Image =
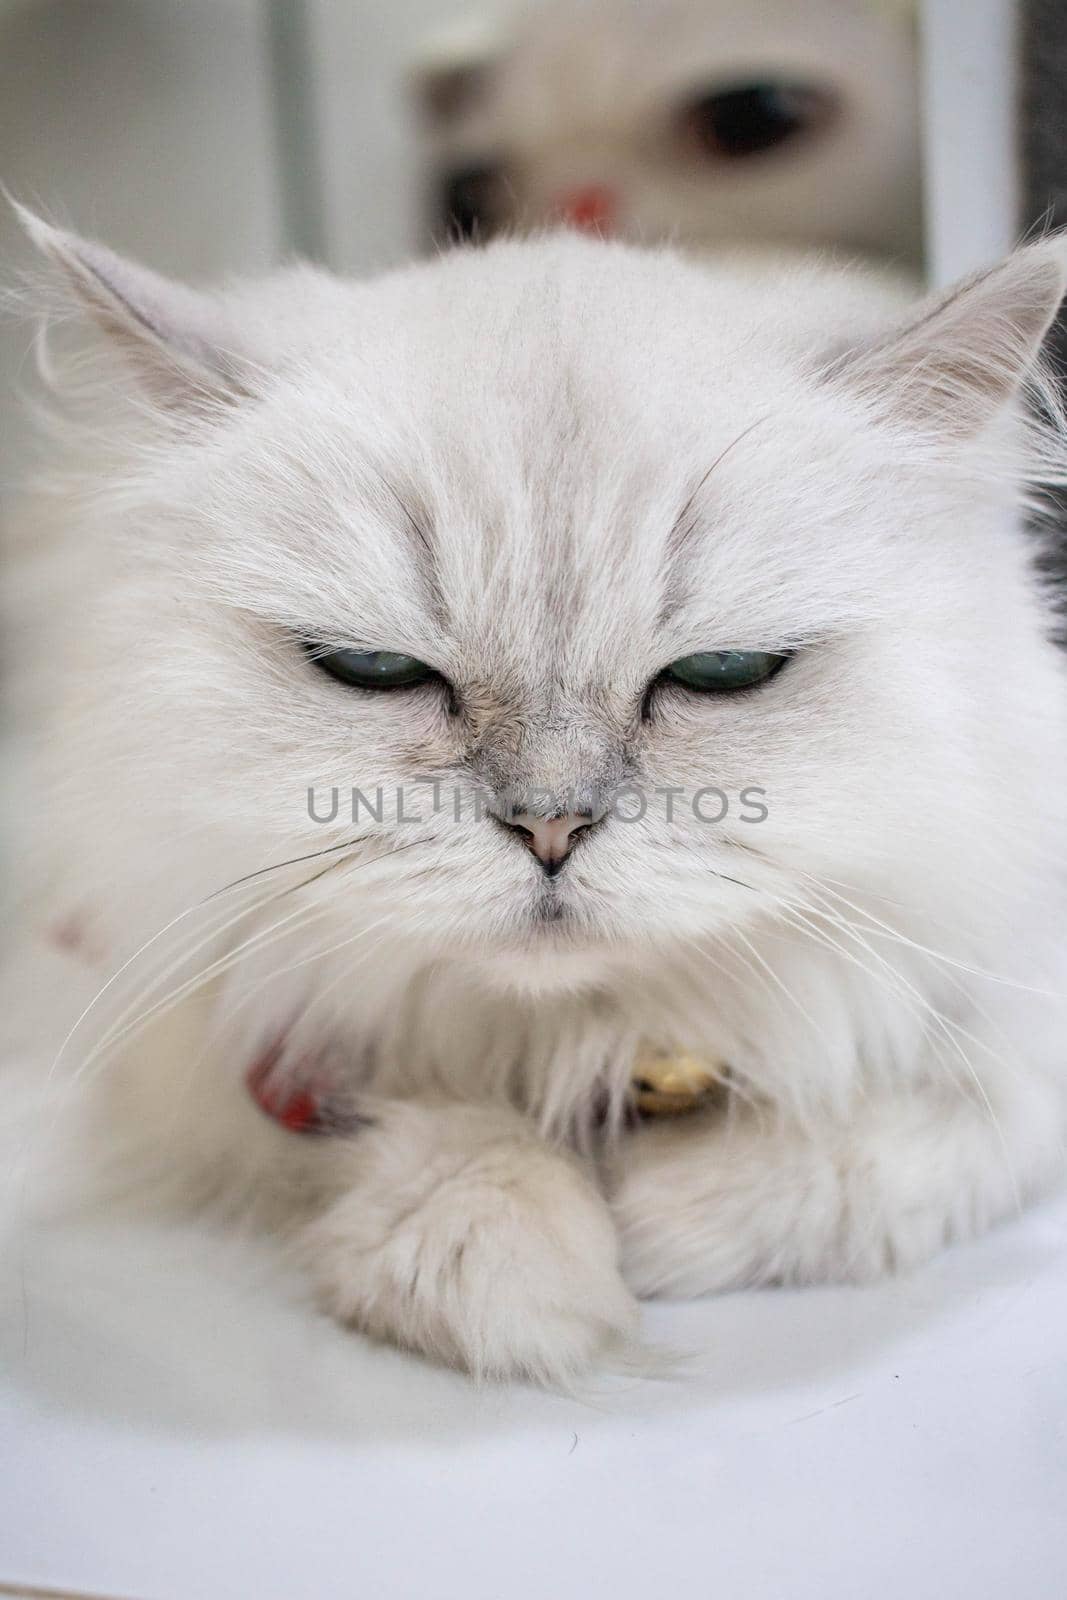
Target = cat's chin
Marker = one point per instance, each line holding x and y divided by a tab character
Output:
539	972
547	967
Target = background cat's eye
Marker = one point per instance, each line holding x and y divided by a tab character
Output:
724	671
751	119
471	200
370	669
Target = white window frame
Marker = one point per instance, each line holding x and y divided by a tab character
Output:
972	167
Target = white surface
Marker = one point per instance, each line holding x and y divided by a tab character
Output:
177	1426
970	106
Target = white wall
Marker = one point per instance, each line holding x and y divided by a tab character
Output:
371	172
149	123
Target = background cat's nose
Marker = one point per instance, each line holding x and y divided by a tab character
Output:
551	838
591	208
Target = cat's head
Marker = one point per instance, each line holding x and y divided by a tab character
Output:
681	120
567	527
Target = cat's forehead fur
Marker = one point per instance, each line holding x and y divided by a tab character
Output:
522	312
525	443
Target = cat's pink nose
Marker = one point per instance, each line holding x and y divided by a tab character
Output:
550	838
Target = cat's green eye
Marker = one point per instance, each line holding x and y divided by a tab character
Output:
370	669
723	671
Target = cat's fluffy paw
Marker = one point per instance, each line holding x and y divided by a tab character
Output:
703	1207
463	1237
712	1206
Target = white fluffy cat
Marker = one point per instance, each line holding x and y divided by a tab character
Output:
560	516
702	122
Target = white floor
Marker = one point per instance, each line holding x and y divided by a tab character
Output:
176	1425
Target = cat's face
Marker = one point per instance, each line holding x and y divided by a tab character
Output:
782	120
543	479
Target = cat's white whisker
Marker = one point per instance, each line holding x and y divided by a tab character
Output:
123	1027
941	957
945	1026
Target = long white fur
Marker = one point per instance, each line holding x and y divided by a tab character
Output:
881	962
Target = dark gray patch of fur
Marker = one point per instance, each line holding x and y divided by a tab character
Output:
1044	145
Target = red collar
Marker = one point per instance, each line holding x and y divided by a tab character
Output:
294	1093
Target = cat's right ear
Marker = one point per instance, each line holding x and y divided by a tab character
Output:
952	369
174	340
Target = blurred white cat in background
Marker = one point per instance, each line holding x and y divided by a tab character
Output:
705	122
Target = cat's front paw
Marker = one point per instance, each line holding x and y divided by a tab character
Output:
726	1204
463	1237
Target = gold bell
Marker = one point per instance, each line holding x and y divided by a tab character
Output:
668	1084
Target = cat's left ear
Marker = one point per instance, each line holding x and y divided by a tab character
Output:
175	340
951	370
